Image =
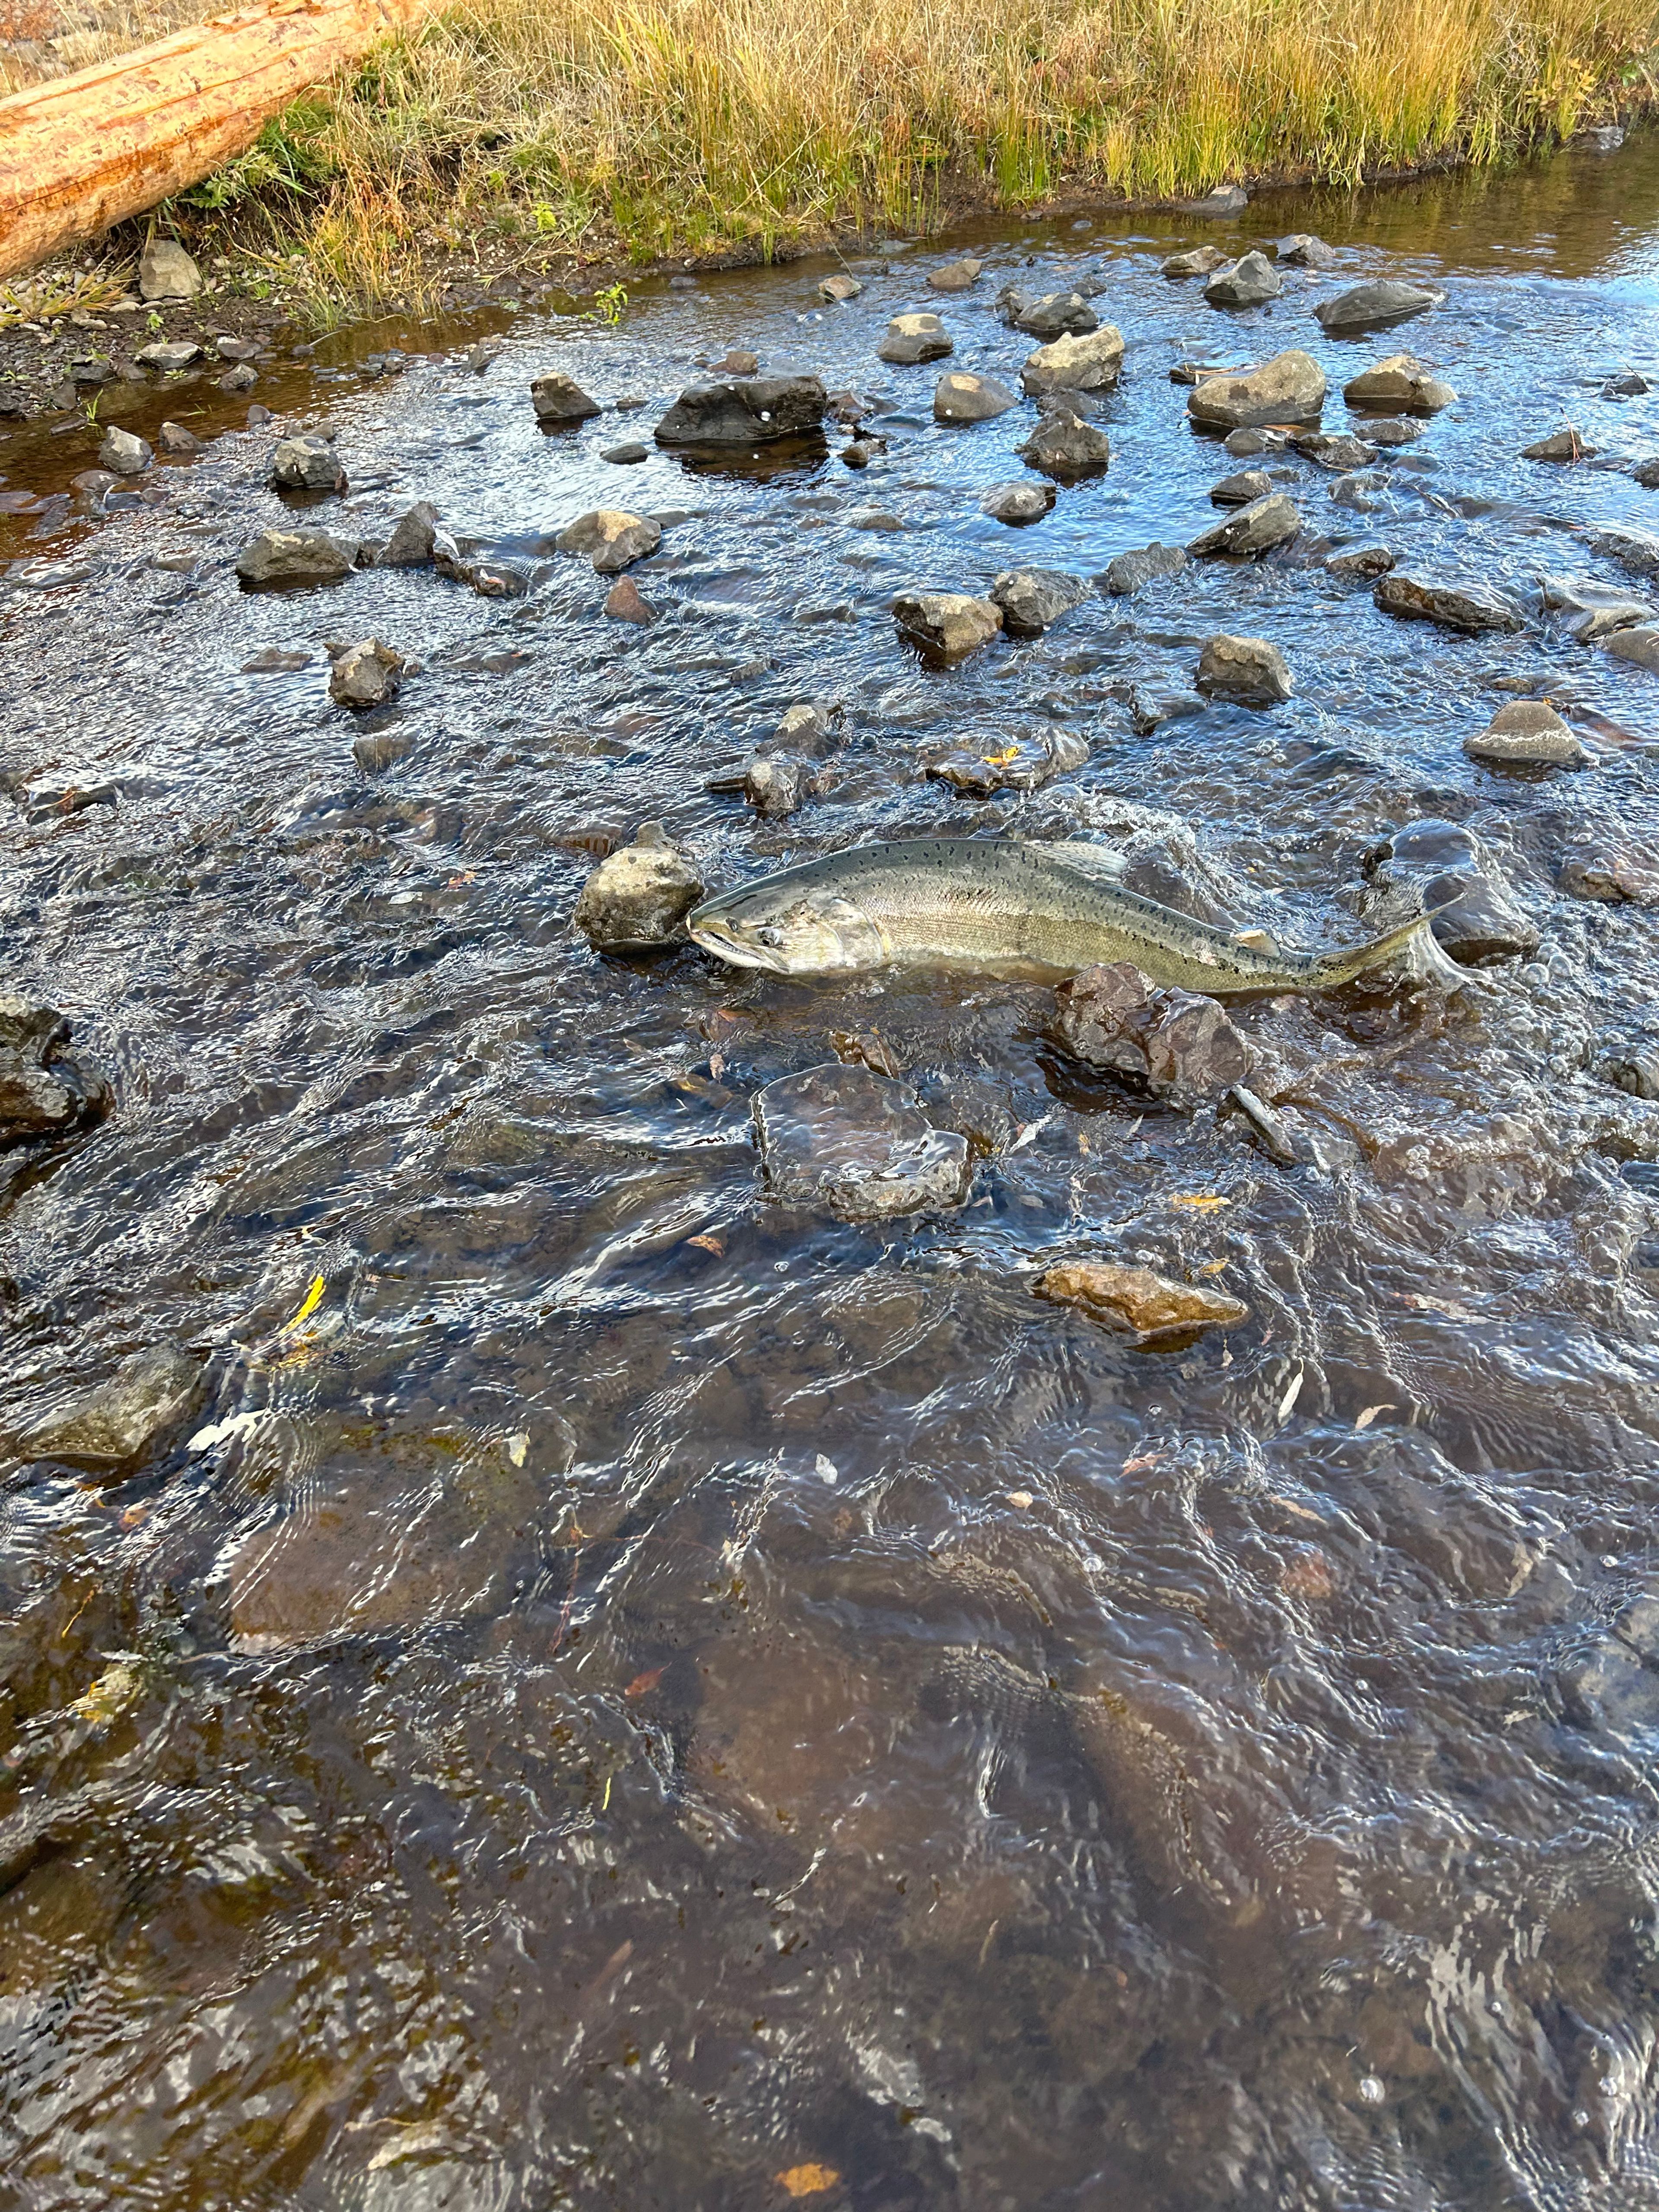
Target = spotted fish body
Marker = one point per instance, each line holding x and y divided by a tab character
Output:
1005	903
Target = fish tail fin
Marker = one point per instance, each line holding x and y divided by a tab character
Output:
1413	938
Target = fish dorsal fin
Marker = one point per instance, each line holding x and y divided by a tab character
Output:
1100	860
1257	940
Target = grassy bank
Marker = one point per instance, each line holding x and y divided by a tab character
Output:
666	127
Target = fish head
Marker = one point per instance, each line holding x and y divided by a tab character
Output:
789	929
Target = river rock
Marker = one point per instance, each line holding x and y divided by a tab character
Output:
1221	201
1527	732
558	399
1468	607
1020	763
1338	454
241	378
1171	1041
1245	443
307	464
1363	564
1613	1684
1016	503
114	1424
639	896
1302	250
1254	529
1369	306
1566	445
1646	473
1247	669
1135	1298
1389	431
1245	283
950	623
165	271
366	675
775	786
1128	573
1289	388
623	602
1639	646
1239	490
1616	875
749	411
1445	867
858	1143
1402	384
410	544
1603	617
42	1093
810	727
1088	363
1033	598
1633	550
610	539
169	356
839	288
958	397
1057	314
1201	261
172	438
124	453
1064	447
277	558
955	276
913	338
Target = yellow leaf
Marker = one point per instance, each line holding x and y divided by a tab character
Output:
1203	1200
313	1298
808	2180
109	1697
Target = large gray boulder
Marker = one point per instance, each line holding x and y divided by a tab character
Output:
280	559
1289	388
1253	529
1371	306
748	411
1246	283
1092	362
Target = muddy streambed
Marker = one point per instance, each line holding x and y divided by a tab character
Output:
620	1691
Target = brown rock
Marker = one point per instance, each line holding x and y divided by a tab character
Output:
1137	1299
624	603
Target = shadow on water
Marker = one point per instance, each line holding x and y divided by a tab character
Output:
620	1691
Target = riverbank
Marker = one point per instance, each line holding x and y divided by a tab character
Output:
555	140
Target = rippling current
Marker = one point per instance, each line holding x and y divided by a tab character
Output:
650	1697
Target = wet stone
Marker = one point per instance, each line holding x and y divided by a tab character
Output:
1246	283
1033	598
858	1144
1566	445
1137	1299
43	1093
307	464
413	536
736	362
610	539
377	750
1225	200
124	453
1239	490
1389	431
1639	646
839	288
638	896
623	602
1371	306
1399	385
1089	363
1016	503
1066	447
1024	763
1468	607
950	623
1254	530
626	456
1247	669
115	1425
1614	875
1171	1041
1336	453
1303	250
558	399
1446	867
1630	1063
1057	314
748	411
1199	261
955	276
281	558
241	378
775	786
1634	550
914	339
1527	733
1128	572
1613	1685
1646	473
1244	445
1289	388
958	397
174	438
367	674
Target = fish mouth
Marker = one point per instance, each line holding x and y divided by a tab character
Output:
716	935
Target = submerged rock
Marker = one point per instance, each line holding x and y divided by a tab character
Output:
1338	454
1468	607
42	1093
366	675
1089	363
624	604
749	411
1399	383
857	1143
307	464
1254	530
775	786
1245	283
958	397
1614	1685
116	1424
1640	646
1033	598
1443	865
1367	307
1199	261
1392	430
1016	503
950	623
413	536
1633	550
1247	669
1243	444
1128	573
638	896
1064	447
1171	1041
1526	732
955	276
124	453
281	558
174	438
1135	1298
558	399
1646	473
1289	388
1022	764
1363	564
627	455
914	339
610	539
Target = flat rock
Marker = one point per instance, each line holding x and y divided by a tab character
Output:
307	464
840	288
913	338
116	1424
627	455
1128	573
639	896
1032	599
1016	503
1022	763
1399	384
1639	646
1172	1042
948	624
559	399
1363	564
281	558
1302	250
1337	453
1239	490
1468	607
1092	362
610	539
959	397
1064	447
1254	529
1135	1298
1247	669
858	1144
124	453
366	675
1633	550
1289	388
165	271
1527	732
1057	314
624	604
1566	445
748	411
413	534
169	356
1392	430
1369	306
955	276
1199	261
1246	283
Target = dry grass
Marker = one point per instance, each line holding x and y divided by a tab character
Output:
52	38
668	127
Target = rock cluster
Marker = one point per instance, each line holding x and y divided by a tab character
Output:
1170	1042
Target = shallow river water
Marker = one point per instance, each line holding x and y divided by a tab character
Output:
646	1696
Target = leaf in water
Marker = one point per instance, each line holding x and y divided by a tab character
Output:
313	1298
809	2179
708	1244
643	1684
518	1447
825	1469
717	1064
1028	1132
1370	1415
1023	1498
1001	759
116	1689
410	2142
1289	1400
1204	1200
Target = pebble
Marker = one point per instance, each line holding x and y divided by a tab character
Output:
1302	250
242	377
948	624
857	1143
165	271
278	558
174	438
1245	443
1247	669
1057	314
961	398
1151	1305
913	338
1363	564
1024	763
169	356
42	1093
638	896
1338	454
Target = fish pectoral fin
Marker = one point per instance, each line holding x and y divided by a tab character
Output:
1257	940
1088	859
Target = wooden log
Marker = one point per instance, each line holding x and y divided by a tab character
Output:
81	152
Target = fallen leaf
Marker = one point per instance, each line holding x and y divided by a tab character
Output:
1308	1574
1143	1464
717	1064
1213	1266
643	1683
825	1469
313	1298
1028	1132
109	1697
1001	759
1370	1415
412	2141
518	1447
1083	1140
1289	1400
1023	1498
708	1244
808	2180
1204	1200
459	883
135	1516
